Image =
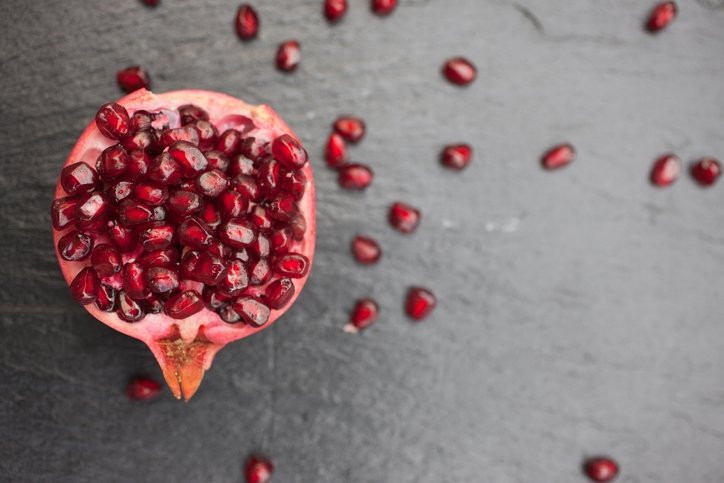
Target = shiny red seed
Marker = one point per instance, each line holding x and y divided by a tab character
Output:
661	16
280	239
133	78
78	178
269	177
138	165
207	134
288	55
187	134
456	156
188	264
383	7
231	204
112	162
294	183
228	314
165	170
184	305
336	151
247	22
123	238
706	171
298	225
261	246
237	233
159	258
366	250
113	121
139	140
217	160
601	470
247	187
150	193
119	191
92	208
241	164
210	215
229	143
334	10
153	304
420	303
184	203
212	183
214	299
143	388
666	170
258	469
84	287
293	265
404	217
351	128
157	236
363	315
63	212
558	156
162	279
234	279
355	176
189	157
259	271
134	281
106	260
209	269
256	150
459	71
129	310
253	312
289	152
131	212
194	233
279	293
282	208
106	298
190	113
142	121
260	218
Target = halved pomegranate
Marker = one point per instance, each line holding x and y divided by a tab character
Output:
169	253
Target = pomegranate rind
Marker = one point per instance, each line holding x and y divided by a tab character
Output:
186	348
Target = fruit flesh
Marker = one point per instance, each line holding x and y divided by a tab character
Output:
185	348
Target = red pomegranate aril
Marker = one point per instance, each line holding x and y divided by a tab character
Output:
294	183
241	254
139	140
231	204
182	203
706	171
334	10
601	470
157	236
189	260
237	233
404	218
336	152
666	170
269	177
289	152
558	156
217	248
78	178
209	269
150	193
210	215
119	191
217	160
364	314
134	281
366	250
298	225
187	134
355	176
159	258
351	129
190	113
165	170
153	304
112	121
123	238
241	165
459	71
228	314
191	159
252	311
234	279
162	279
129	309
253	149
456	156
288	55
279	293
259	271
75	246
661	16
84	287
420	303
229	142
184	305
138	165
261	246
247	187
214	299
212	183
281	208
247	22
207	134
64	212
143	388
258	469
92	208
131	213
194	233
383	7
133	78
112	162
106	260
142	120
106	298
293	265
280	240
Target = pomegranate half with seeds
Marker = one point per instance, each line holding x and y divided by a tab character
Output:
186	220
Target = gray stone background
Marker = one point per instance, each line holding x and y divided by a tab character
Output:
579	311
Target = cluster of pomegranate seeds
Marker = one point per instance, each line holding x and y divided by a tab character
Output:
334	10
351	176
601	470
363	315
258	469
289	54
420	303
666	170
706	171
366	250
383	7
133	78
246	22
456	156
143	388
154	219
459	71
661	16
558	156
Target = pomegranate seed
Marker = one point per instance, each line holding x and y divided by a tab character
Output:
334	10
404	217
289	152
288	55
162	279
258	469
189	157
237	233
106	298
253	149
298	225
78	178
355	176
601	469
261	246
383	7
282	208
187	134
247	22
143	388
336	152
190	113
259	271
142	120
234	279
217	248
666	170
252	311
184	203
112	121
214	299
128	309
294	183
706	171
231	204
228	315
363	315
139	140
212	183
240	164
217	160
157	236
194	233
131	212
279	293
133	78
248	188
352	129
63	212
188	264
138	165
280	241
366	250
207	134
260	218
209	269
106	260
456	156
123	238
420	303
229	143
112	162
269	177
152	194
84	287
292	265
558	156
165	170
184	305
661	16
134	281
92	208
119	191
159	258
152	305
459	71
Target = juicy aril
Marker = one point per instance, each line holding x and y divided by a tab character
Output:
185	220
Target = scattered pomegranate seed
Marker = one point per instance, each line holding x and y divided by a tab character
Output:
247	22
355	176
403	217
288	55
133	78
366	250
351	128
666	170
558	156
334	10
258	469
661	16
420	303
336	152
706	171
601	470
363	315
143	389
459	71
383	7
456	156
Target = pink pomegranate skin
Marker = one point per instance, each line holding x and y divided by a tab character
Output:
186	348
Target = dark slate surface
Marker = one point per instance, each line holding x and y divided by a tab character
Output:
580	311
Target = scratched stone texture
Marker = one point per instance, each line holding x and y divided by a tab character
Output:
580	311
